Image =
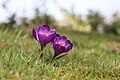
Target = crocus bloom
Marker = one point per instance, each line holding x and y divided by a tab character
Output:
61	45
44	35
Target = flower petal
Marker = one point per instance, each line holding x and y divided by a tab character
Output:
67	42
53	31
57	36
43	29
50	36
61	49
63	39
68	47
42	39
58	49
56	39
35	34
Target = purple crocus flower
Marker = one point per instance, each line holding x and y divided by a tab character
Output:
44	35
61	45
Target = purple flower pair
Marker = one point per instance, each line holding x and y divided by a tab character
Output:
44	36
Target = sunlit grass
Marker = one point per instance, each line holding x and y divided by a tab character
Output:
91	58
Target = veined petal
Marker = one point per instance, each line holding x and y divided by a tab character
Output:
67	42
56	47
43	29
53	31
63	39
57	35
68	47
56	39
35	34
42	38
59	49
50	36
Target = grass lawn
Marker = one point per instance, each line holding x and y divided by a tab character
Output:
91	58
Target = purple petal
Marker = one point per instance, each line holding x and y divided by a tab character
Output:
57	36
42	39
68	47
67	42
43	29
59	49
53	44
35	34
56	39
63	39
50	36
56	47
53	31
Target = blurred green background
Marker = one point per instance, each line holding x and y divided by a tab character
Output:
73	15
